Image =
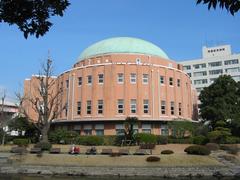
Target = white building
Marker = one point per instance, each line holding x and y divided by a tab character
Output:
215	61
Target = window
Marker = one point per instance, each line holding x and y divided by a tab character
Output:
189	74
178	82
100	78
120	78
163	107
171	81
67	83
198	66
133	78
145	106
89	107
216	71
233	61
164	130
99	129
214	64
179	109
236	78
120	106
201	81
146	128
79	107
199	89
79	81
145	79
133	105
188	67
161	79
87	129
172	107
77	128
119	129
232	70
200	73
89	79
100	106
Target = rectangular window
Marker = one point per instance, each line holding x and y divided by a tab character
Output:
145	106
161	79
198	66
145	79
87	129
133	106
216	71
146	128
163	107
100	78
79	81
119	129
188	67
201	73
79	107
180	109
100	106
99	129
133	78
233	61
214	64
201	81
120	106
178	82
164	130
67	83
172	107
120	78
89	79
232	70
171	81
89	107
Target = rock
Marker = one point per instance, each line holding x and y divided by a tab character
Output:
217	174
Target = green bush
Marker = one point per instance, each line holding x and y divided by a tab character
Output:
153	159
45	146
219	135
200	140
21	141
174	140
162	139
109	140
231	140
146	138
63	136
197	150
212	146
90	140
167	152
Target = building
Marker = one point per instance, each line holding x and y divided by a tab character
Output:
120	77
215	61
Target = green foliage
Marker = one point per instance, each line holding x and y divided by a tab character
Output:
21	141
128	128
232	6
31	17
197	150
153	159
220	102
231	140
167	151
63	136
146	138
90	140
180	128
212	146
109	140
45	146
174	140
219	135
200	140
162	139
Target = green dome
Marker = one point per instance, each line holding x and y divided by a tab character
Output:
122	45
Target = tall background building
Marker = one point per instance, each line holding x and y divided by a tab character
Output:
215	61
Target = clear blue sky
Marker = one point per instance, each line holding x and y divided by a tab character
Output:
180	28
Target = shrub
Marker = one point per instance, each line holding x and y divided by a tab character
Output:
231	140
109	140
63	136
162	139
153	159
197	150
146	138
212	146
167	152
200	140
174	140
219	135
45	146
21	141
90	140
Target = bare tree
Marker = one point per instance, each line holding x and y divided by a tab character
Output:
47	101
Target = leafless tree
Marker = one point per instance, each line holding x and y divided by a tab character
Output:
47	102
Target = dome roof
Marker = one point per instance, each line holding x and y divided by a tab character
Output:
122	45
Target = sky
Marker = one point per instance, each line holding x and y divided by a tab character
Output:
180	28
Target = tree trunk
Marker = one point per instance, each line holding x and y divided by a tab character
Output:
3	138
44	133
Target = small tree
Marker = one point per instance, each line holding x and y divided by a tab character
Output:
129	127
46	104
181	127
